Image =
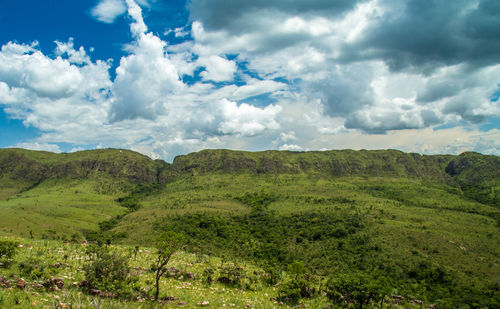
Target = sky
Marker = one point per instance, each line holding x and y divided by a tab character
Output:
166	78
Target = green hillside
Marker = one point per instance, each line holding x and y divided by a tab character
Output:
47	193
425	227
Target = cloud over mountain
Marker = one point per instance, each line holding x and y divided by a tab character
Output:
246	73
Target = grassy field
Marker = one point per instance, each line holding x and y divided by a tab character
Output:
60	208
188	292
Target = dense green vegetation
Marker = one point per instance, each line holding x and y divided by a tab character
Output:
348	228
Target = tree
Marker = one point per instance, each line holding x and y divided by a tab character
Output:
167	244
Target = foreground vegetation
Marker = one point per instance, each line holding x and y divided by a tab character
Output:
334	229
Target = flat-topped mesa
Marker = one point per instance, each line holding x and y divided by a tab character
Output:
334	163
477	175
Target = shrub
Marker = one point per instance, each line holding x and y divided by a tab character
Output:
208	276
231	274
357	288
108	271
7	249
272	273
290	292
35	268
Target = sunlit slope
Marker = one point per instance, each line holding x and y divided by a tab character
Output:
43	193
426	237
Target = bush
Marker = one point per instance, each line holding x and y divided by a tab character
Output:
357	288
290	292
35	268
272	273
231	274
208	276
7	249
108	271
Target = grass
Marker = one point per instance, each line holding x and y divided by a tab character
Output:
189	291
65	207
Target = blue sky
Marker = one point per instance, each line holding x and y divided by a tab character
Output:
168	77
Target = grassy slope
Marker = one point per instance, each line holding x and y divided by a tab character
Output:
67	193
65	207
412	222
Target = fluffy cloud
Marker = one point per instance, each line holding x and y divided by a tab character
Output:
145	81
271	74
291	147
246	119
39	146
52	94
438	58
217	68
108	10
147	107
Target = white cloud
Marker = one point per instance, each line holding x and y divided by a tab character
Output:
247	120
145	81
49	93
217	69
108	10
23	66
137	27
180	32
312	60
256	87
39	146
291	147
290	136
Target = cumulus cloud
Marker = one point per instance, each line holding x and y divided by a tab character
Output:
72	99
291	147
49	93
246	119
23	66
442	54
108	10
271	74
145	81
137	27
217	68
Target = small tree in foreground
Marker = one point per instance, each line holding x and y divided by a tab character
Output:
167	244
